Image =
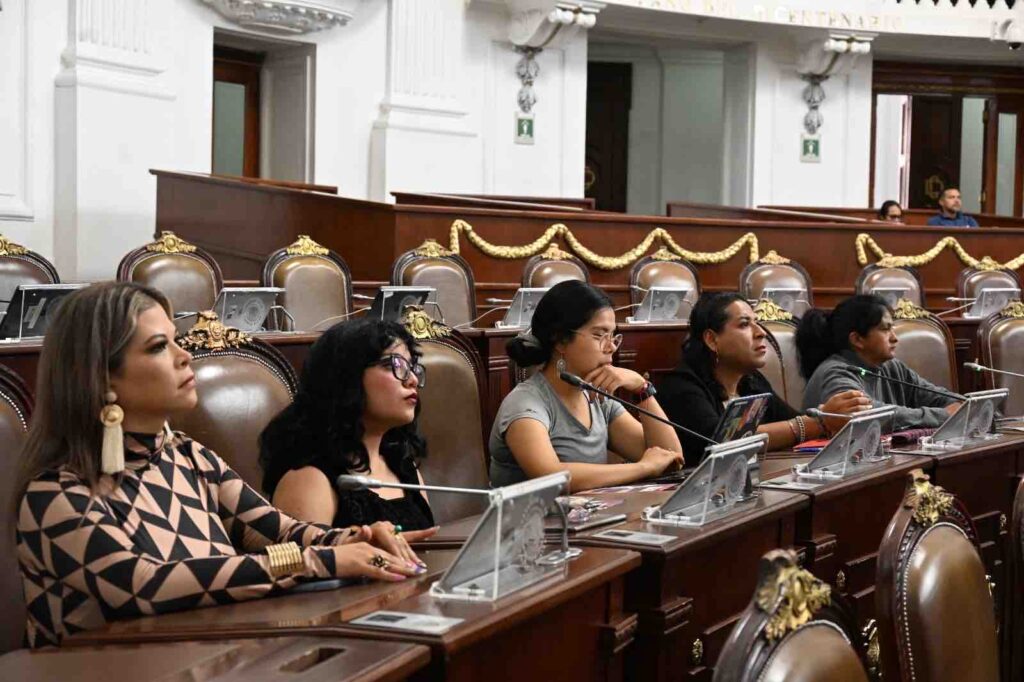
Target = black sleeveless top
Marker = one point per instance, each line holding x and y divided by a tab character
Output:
364	507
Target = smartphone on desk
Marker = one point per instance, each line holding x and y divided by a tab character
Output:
319	585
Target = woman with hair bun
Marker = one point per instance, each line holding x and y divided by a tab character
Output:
547	425
858	334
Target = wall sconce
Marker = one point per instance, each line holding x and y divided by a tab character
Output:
821	60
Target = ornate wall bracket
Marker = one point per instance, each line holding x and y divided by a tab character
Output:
821	60
286	16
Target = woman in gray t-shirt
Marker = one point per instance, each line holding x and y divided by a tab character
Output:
546	425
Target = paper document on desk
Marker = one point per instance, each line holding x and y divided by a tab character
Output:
788	483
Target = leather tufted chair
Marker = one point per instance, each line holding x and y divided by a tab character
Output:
1001	337
432	265
316	281
925	344
818	649
15	410
936	614
971	282
553	266
188	276
19	265
242	384
876	277
663	269
1016	587
774	271
783	367
450	416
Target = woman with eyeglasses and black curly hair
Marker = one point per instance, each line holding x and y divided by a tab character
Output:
355	413
546	425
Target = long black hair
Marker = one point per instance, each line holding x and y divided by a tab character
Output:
324	424
563	310
710	312
822	334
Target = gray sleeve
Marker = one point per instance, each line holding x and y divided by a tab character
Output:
925	398
611	410
834	378
522	403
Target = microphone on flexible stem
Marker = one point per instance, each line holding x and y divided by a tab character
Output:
815	412
982	368
349	482
947	394
578	382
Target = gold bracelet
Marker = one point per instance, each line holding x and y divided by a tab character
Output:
285	559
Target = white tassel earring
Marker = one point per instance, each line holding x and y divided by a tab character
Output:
111	416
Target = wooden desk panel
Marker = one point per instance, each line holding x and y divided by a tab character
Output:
579	615
292	659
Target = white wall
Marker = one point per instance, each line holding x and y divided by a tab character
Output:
779	177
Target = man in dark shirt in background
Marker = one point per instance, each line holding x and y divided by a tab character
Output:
950	213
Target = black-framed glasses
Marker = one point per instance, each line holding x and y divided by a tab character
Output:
401	367
602	340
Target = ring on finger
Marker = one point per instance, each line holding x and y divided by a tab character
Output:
397	531
378	561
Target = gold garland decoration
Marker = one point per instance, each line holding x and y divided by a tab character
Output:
887	260
459	226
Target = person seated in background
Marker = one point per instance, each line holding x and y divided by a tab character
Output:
858	333
891	212
721	361
118	516
547	425
950	211
355	413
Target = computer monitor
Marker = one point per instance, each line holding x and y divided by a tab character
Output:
31	307
391	301
971	422
520	311
991	301
664	304
246	308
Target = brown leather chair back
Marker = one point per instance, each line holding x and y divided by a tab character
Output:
242	384
935	611
19	265
769	644
774	271
663	269
432	265
876	277
188	276
783	367
1015	591
316	281
925	344
450	417
547	269
15	410
1001	337
970	282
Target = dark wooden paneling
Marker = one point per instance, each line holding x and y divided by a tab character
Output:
609	93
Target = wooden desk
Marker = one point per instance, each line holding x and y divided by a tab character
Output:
295	659
572	626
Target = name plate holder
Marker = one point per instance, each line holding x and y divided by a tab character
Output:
667	305
714	488
972	423
520	311
504	553
857	447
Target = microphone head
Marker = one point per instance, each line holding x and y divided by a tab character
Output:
348	482
571	379
815	412
975	366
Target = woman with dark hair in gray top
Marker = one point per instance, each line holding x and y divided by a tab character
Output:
546	425
858	334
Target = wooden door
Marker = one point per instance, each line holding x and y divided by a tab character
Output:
235	147
934	148
1004	156
609	95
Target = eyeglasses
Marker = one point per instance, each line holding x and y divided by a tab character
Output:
605	339
402	368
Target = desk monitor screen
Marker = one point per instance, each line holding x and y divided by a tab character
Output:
503	553
246	308
31	308
391	301
520	312
972	421
664	304
991	301
892	295
741	418
791	299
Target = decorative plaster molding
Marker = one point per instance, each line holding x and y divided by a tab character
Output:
550	23
286	16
